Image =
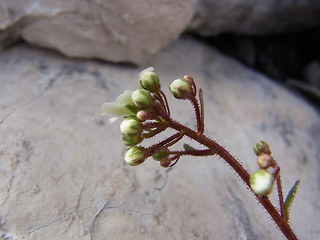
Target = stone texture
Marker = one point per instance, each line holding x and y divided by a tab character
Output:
62	168
128	31
254	17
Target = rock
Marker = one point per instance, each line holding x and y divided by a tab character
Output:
311	85
312	73
62	168
254	17
118	31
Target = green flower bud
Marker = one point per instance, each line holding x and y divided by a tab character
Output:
161	155
180	88
134	156
131	140
261	182
149	80
142	98
262	147
131	126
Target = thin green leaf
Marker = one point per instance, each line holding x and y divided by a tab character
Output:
187	147
290	198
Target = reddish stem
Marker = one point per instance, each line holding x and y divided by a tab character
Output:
196	107
223	153
165	101
204	152
201	110
279	186
164	144
154	132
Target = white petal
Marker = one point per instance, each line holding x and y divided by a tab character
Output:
125	98
118	108
114	110
113	119
149	69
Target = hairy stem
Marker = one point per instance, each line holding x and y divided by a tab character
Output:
204	152
279	186
201	110
165	101
196	107
164	144
238	168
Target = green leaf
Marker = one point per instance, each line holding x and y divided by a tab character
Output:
187	147
291	195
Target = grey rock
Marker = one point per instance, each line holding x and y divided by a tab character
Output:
258	17
118	31
62	168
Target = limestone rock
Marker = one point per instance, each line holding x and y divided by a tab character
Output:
127	31
62	168
254	17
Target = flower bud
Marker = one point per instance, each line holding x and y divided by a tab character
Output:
180	88
134	156
261	182
262	147
149	80
165	163
131	140
265	160
142	115
130	126
163	154
142	98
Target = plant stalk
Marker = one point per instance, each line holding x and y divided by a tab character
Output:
243	173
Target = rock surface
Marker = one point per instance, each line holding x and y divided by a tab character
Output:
117	31
132	31
258	17
62	168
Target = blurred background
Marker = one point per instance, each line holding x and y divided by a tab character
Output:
277	38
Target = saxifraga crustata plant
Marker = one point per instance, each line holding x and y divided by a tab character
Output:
146	113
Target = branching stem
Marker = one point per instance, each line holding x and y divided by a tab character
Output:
238	168
165	143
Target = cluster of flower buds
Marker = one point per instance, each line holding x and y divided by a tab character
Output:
262	181
145	112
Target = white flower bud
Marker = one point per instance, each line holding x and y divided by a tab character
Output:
131	126
134	156
180	88
261	182
142	98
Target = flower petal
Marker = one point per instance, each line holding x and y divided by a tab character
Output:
114	110
125	98
113	119
149	69
119	107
